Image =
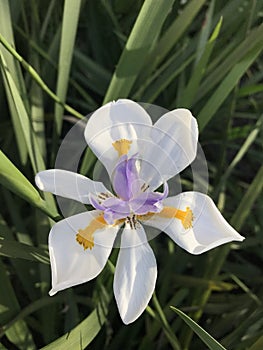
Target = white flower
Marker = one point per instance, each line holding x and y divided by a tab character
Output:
139	157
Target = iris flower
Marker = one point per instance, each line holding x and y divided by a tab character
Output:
140	158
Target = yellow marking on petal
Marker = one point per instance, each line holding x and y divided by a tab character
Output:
186	216
122	146
85	237
145	216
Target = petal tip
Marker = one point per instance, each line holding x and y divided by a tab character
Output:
52	292
39	182
240	238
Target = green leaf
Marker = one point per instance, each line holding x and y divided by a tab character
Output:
199	69
15	181
7	31
24	121
248	200
68	35
258	345
143	35
36	94
82	335
13	249
202	334
29	309
250	139
250	90
174	32
19	333
235	56
225	88
37	78
165	324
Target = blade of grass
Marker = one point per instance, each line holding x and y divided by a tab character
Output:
240	154
15	181
164	79
144	33
12	249
16	232
90	68
33	307
48	317
92	74
202	334
82	335
225	88
218	257
36	95
19	333
238	54
7	31
37	78
205	31
151	83
199	69
165	324
173	34
67	41
258	345
29	135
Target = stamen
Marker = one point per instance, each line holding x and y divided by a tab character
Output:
104	196
122	146
85	237
131	220
186	216
144	187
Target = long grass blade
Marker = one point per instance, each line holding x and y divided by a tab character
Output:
82	335
7	31
67	41
202	334
15	181
38	79
225	88
142	38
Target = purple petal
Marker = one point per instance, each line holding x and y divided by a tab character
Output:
134	182
95	203
120	180
115	209
148	202
126	179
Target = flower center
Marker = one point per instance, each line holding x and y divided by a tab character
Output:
133	201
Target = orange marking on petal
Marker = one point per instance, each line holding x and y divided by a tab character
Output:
122	146
186	216
85	237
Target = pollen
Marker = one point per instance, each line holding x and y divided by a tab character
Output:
122	146
186	216
85	237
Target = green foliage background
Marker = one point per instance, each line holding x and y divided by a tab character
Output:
59	61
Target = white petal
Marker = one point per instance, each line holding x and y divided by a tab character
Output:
123	119
135	274
68	184
174	145
70	263
209	229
